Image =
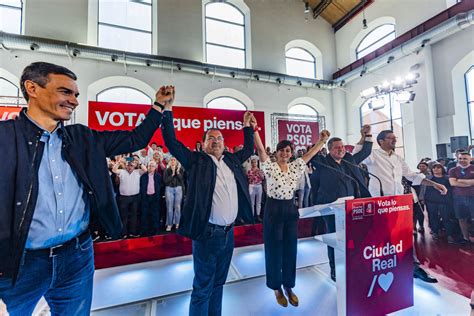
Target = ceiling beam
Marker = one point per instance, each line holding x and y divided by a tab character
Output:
320	8
356	10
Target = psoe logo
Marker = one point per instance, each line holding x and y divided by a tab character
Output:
357	211
369	209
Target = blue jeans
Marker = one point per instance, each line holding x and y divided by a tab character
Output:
211	259
173	197
65	280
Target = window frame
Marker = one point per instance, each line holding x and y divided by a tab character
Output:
470	102
307	61
118	87
227	97
357	52
305	104
16	8
244	27
151	5
391	103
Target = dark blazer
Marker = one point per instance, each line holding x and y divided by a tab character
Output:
326	185
85	150
144	184
201	171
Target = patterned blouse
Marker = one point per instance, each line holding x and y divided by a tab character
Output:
281	185
255	176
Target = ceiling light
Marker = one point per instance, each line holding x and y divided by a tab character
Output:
405	97
306	7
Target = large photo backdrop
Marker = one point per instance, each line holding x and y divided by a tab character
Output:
190	122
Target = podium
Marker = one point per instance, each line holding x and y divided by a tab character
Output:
373	250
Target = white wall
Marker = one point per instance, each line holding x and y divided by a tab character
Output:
407	14
434	116
273	24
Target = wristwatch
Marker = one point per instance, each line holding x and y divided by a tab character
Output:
158	104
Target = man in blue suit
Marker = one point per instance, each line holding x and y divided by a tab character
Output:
338	176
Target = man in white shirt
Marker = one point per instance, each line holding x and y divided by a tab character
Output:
128	199
389	167
217	193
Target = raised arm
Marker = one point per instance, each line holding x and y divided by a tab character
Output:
366	142
323	138
120	142
262	154
247	151
176	148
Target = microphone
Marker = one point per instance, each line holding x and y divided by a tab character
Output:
367	172
345	175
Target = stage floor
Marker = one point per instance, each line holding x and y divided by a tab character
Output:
163	288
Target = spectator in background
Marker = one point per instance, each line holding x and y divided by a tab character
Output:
129	199
255	177
418	206
461	179
198	146
150	185
454	163
439	206
143	157
158	157
173	180
303	189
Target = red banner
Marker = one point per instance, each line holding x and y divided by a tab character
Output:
379	255
189	122
9	112
301	133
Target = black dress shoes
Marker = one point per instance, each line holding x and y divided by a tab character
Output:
421	274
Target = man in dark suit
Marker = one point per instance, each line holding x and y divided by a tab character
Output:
217	193
150	186
337	176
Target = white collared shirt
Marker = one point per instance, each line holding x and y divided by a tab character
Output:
129	182
390	169
225	199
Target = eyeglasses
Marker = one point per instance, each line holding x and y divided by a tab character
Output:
218	139
391	138
463	172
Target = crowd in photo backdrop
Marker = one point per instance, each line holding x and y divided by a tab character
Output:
150	187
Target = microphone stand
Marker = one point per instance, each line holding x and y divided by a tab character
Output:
367	172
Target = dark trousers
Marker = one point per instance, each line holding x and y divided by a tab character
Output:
211	259
436	212
64	279
280	240
330	228
150	209
418	215
128	207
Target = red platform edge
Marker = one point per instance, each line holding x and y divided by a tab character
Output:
128	251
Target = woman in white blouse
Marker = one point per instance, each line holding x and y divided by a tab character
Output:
280	221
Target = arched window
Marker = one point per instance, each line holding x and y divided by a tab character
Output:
10	16
9	93
469	76
125	25
226	103
384	113
302	109
300	63
123	95
375	39
224	35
